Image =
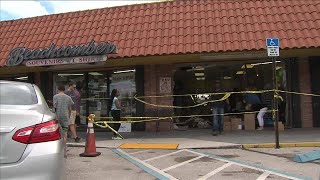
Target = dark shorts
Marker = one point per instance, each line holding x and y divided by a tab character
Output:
64	129
77	122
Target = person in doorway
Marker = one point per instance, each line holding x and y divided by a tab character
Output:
115	111
62	104
218	111
75	96
266	99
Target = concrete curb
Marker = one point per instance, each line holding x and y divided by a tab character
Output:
283	145
236	146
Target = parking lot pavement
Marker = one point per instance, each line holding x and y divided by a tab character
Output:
106	166
192	164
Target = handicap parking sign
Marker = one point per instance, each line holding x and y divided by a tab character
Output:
272	42
273	47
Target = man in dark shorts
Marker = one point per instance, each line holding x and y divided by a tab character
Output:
75	108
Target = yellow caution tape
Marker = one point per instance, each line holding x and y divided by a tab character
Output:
171	117
226	96
183	95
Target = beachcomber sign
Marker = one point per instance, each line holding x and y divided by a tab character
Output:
63	55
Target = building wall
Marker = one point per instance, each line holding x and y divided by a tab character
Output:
305	87
152	76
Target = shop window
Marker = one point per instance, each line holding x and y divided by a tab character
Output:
98	93
124	81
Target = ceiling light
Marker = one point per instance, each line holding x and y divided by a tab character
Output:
227	77
199	74
264	63
240	72
95	74
70	74
125	71
201	78
247	66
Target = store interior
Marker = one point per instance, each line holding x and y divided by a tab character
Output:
202	78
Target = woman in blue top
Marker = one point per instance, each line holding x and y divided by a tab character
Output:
115	111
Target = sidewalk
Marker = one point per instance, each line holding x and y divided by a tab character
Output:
202	138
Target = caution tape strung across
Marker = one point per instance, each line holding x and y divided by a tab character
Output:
149	119
222	93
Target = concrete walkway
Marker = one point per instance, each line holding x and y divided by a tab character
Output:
202	138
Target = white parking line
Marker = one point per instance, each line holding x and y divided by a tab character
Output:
158	157
137	152
181	164
145	166
263	176
210	174
248	166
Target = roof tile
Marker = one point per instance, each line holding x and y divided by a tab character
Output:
174	27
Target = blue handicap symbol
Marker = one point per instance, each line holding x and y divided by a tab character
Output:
273	42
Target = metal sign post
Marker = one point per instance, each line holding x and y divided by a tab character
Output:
273	52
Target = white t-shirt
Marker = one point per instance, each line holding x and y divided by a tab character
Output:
114	107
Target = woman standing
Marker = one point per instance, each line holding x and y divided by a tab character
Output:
115	111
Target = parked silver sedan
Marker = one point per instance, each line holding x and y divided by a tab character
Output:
31	145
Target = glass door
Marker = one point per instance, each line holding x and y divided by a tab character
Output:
124	81
79	79
98	83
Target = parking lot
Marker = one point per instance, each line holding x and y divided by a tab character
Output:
188	164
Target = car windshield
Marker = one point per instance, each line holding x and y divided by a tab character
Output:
17	94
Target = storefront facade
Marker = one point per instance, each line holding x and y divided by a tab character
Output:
152	49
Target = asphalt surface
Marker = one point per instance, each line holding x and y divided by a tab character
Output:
271	164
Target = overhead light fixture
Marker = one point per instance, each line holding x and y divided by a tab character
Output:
227	77
124	71
240	72
95	74
201	78
70	74
22	78
198	68
247	66
199	74
264	63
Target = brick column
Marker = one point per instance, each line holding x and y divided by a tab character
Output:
153	73
305	86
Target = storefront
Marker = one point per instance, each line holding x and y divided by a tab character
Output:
148	50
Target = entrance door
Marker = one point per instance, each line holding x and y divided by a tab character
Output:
315	85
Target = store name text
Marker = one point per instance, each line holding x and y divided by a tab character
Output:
19	55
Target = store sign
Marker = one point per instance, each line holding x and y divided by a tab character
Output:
54	55
62	61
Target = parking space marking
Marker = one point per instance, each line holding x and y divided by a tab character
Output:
137	152
181	164
165	155
145	166
210	174
264	176
252	166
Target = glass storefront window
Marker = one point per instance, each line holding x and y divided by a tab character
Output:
95	88
98	90
78	78
124	81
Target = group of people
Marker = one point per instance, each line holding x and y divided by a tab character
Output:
252	102
67	103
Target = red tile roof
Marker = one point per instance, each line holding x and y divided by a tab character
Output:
182	26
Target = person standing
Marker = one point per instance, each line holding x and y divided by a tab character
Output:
266	99
218	112
115	108
62	104
75	96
